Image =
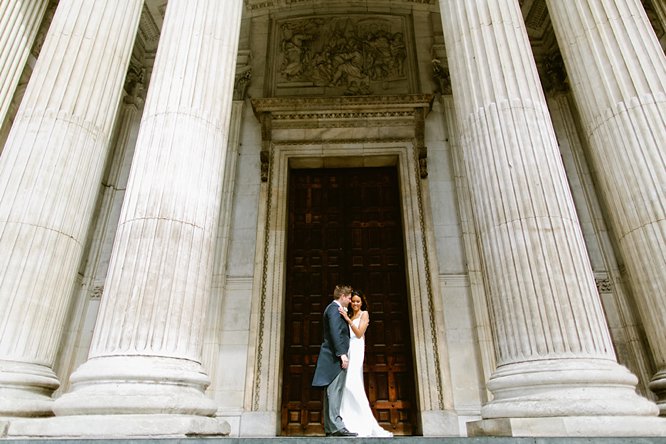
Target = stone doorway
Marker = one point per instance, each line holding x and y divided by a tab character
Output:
347	133
344	226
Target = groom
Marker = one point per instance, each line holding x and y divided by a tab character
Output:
331	369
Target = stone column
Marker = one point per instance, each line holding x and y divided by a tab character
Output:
145	356
19	24
617	72
554	352
50	172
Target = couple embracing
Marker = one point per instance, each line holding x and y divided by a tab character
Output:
339	367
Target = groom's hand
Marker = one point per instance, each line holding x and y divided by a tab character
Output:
345	361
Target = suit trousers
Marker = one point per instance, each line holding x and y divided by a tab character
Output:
332	400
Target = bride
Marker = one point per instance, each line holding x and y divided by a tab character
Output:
355	408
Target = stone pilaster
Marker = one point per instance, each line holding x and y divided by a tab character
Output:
554	352
617	73
50	172
19	24
145	356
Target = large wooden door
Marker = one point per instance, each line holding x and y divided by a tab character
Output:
345	227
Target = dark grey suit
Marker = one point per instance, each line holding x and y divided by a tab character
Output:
328	372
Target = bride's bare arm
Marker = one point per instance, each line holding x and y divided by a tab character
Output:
362	325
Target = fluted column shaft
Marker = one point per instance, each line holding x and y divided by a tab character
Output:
549	328
146	349
19	23
50	172
617	72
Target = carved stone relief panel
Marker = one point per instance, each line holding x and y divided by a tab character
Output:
337	55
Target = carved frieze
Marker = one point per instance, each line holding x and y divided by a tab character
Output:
97	292
604	285
336	120
342	55
258	5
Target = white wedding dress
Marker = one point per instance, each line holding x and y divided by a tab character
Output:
355	408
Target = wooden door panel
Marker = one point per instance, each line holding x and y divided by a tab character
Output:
345	227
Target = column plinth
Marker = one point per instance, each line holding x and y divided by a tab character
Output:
564	387
137	385
554	352
41	380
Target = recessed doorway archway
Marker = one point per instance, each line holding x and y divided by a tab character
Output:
336	133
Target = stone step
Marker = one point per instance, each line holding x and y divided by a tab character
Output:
335	440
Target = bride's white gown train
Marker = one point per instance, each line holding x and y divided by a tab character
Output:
355	407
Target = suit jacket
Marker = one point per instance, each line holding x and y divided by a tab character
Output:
335	344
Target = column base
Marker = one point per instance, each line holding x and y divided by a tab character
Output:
581	426
137	385
658	386
25	389
115	426
565	388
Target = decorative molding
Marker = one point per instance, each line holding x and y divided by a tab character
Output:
241	82
149	28
419	145
253	5
352	116
259	5
536	15
267	305
440	68
287	104
604	285
135	81
264	276
440	73
553	73
428	284
266	120
403	118
364	141
243	74
97	292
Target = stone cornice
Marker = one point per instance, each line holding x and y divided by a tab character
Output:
320	106
398	117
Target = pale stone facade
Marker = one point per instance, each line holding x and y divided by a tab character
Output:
146	149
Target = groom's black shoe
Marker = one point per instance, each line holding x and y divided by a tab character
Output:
343	432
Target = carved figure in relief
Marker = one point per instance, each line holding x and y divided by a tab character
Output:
342	52
349	70
294	52
398	53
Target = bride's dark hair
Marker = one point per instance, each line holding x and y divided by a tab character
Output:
364	301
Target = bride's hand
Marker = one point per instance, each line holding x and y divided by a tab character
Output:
344	314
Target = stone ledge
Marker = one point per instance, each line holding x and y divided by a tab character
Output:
118	426
581	426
